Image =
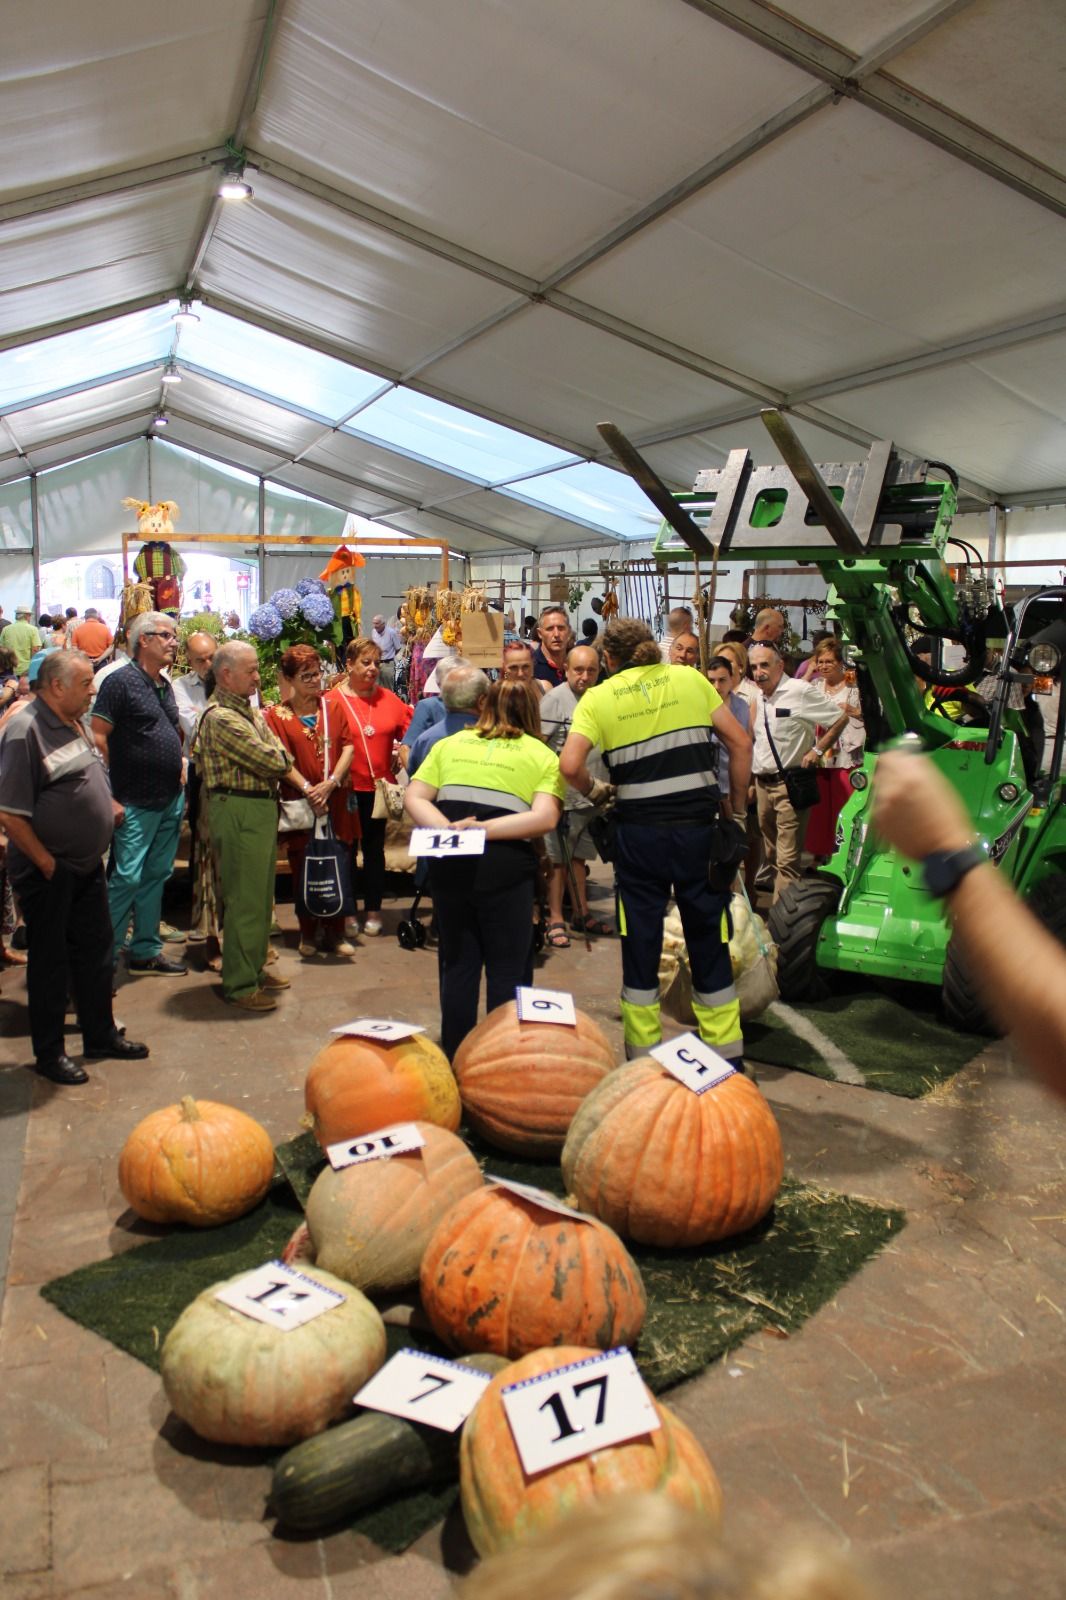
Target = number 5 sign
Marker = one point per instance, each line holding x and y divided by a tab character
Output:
563	1415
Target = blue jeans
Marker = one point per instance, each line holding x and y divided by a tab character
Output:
142	858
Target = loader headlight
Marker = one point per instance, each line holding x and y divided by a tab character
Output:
1008	793
858	778
1044	658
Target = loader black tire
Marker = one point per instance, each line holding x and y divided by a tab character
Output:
795	922
959	994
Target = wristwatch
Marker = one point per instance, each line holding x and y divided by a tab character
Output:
944	870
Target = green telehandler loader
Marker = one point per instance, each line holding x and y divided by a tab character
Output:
877	530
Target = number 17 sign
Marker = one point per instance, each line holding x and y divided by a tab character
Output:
568	1413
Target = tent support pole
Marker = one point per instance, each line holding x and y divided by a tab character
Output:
35	529
262	542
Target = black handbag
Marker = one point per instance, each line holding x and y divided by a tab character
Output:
801	783
325	886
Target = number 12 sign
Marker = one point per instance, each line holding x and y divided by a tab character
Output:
568	1413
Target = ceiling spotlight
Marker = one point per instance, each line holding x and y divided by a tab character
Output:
184	314
161	420
171	374
232	185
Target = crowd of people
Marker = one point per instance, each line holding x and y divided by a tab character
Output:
533	759
617	746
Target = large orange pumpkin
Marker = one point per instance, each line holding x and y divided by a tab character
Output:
503	1506
521	1082
665	1166
359	1085
198	1162
370	1223
504	1275
239	1381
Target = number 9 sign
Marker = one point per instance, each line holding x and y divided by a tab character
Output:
546	1005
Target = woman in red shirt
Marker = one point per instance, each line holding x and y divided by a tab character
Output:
301	727
377	721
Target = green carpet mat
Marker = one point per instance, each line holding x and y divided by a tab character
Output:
701	1303
893	1041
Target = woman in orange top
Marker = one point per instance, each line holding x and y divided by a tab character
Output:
376	721
301	727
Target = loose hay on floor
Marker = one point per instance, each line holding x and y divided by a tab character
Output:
895	1037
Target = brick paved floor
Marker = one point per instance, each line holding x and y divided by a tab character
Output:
918	1418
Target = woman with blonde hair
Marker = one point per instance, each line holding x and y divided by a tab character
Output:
498	776
646	1547
742	684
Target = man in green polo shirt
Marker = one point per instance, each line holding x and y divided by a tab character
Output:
21	637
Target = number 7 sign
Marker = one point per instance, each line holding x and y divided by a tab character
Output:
568	1413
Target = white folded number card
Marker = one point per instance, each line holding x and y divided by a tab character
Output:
539	1197
698	1066
426	1389
382	1028
279	1295
447	842
546	1005
376	1146
563	1415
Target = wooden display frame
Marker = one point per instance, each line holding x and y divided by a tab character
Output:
281	541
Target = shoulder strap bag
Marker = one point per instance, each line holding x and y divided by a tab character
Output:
388	797
801	783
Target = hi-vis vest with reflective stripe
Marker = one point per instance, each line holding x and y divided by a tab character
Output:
653	725
487	777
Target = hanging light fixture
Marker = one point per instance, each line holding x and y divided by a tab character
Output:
171	372
161	420
184	314
232	185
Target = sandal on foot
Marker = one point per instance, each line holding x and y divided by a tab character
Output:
556	936
591	924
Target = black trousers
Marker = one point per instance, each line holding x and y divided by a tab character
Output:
68	939
484	911
192	796
368	885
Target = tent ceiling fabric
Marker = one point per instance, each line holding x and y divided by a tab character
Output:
487	227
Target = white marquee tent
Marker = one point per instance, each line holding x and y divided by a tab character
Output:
478	228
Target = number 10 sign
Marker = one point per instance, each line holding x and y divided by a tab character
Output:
562	1415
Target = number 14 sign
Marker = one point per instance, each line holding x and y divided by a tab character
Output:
563	1415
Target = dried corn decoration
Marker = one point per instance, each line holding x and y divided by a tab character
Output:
418	618
448	608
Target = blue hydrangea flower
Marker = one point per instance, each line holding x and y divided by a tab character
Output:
308	586
318	610
265	623
286	603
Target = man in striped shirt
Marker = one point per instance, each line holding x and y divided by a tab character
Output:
653	724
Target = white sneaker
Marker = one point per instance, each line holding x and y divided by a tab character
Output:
372	925
351	927
343	949
307	949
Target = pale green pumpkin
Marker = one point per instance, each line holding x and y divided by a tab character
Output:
238	1381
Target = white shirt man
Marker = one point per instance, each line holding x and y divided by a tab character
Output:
678	621
788	713
189	690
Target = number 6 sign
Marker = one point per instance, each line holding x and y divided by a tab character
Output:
568	1413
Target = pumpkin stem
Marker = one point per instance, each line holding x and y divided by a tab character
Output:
190	1111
